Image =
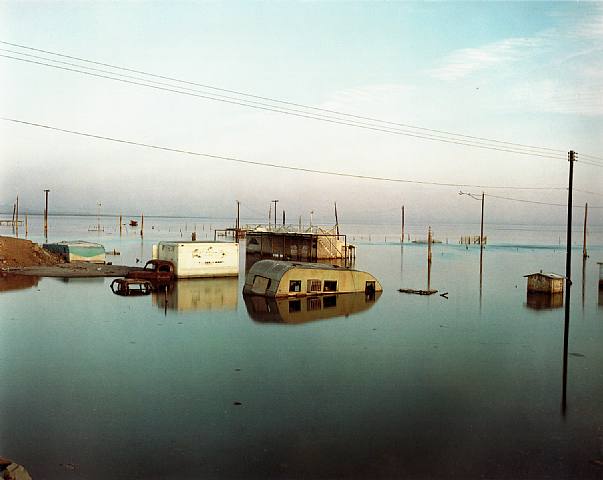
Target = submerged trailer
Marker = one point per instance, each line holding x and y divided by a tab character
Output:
200	259
78	251
275	278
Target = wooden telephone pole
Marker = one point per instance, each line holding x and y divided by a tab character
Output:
46	215
568	275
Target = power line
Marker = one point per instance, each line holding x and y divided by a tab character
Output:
279	101
585	162
522	200
288	112
274	165
239	102
593	157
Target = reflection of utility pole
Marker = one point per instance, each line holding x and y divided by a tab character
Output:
568	275
275	202
46	216
584	252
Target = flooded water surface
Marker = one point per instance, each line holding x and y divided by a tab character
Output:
200	382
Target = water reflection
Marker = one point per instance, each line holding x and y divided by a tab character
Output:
544	301
600	297
198	294
11	281
307	309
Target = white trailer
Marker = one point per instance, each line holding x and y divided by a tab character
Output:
200	259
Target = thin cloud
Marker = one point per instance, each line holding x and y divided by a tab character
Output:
467	61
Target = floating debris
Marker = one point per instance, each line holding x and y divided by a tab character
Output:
417	292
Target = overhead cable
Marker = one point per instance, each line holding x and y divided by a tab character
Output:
475	143
274	165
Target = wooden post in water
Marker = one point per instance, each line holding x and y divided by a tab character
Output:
283	218
584	252
142	224
120	225
429	259
26	226
481	246
336	221
46	215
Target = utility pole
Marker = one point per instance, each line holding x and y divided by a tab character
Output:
275	202
568	275
17	217
402	223
283	218
311	213
98	225
584	252
336	221
269	215
238	216
46	215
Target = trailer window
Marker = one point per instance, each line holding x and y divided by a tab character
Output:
314	286
330	286
295	285
260	284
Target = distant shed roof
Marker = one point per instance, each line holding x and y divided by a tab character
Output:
553	276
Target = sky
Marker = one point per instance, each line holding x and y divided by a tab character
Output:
525	73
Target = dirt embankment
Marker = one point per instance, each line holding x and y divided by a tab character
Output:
16	252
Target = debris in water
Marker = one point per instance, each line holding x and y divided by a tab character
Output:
237	403
417	292
576	354
445	295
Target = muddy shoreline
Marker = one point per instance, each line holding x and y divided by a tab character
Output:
66	270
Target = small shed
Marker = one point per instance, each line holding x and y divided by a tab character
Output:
78	251
545	282
200	259
276	278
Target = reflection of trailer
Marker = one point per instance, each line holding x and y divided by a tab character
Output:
307	309
200	259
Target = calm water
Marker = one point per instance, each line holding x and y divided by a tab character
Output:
98	386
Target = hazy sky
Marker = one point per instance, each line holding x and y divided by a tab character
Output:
527	73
